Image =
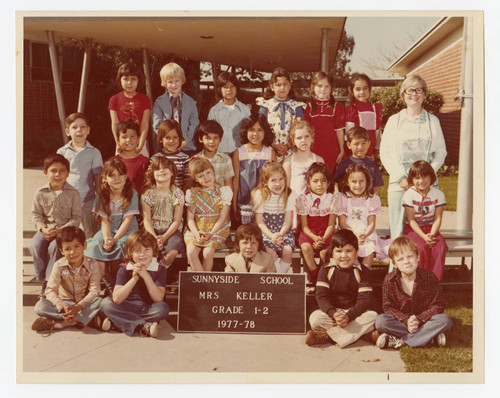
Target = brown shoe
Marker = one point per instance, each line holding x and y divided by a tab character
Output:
371	337
317	337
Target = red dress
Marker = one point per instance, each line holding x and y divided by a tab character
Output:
365	115
136	168
325	120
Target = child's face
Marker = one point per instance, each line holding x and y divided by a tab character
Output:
276	183
174	85
73	252
256	134
128	140
249	247
163	175
361	90
129	84
281	88
406	262
210	142
206	178
422	184
359	147
57	173
228	93
322	89
357	183
318	184
115	180
303	140
344	256
78	131
142	255
171	142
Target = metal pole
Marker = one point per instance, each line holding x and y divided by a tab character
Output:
464	196
85	75
324	50
147	74
57	83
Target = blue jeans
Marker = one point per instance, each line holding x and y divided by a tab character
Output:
132	313
439	323
46	309
45	253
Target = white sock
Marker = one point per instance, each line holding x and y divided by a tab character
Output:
284	267
277	263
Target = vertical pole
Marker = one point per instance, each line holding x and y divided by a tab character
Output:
85	75
464	197
56	74
147	74
324	50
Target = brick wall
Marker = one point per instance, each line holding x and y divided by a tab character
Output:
442	73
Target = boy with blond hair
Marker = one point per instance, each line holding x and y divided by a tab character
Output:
177	105
412	302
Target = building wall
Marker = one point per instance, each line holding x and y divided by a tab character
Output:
442	73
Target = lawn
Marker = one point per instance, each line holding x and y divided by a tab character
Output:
447	184
457	355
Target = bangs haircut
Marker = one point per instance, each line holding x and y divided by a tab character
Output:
125	125
298	124
143	238
209	127
171	71
356	168
318	167
400	245
358	132
157	163
68	234
341	238
248	231
198	165
421	168
314	81
249	122
166	126
128	69
55	158
77	115
224	78
268	170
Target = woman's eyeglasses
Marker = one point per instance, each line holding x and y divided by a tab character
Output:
410	91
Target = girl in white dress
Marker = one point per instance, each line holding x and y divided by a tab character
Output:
358	211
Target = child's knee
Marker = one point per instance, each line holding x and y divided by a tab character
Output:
306	248
382	320
160	310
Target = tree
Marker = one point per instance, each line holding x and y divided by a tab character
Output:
344	53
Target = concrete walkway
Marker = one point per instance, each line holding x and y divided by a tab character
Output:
220	355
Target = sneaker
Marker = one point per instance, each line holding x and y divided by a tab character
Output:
371	337
43	324
150	329
97	321
63	325
387	341
440	340
107	325
317	337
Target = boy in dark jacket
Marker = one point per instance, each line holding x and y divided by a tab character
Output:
344	295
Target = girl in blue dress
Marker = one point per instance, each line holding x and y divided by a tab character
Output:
117	207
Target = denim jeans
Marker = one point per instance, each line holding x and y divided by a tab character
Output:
439	323
45	253
132	313
46	309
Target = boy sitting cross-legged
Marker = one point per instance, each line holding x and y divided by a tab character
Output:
412	302
73	287
344	295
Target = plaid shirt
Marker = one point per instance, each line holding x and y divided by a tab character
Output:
426	301
223	166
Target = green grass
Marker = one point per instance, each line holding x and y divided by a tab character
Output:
447	184
457	355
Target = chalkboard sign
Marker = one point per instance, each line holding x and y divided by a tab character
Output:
241	303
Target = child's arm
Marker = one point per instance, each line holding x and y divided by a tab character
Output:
146	218
155	292
175	224
191	223
97	183
340	140
376	191
274	157
390	304
371	225
146	116
122	230
229	182
121	292
412	222
76	211
343	222
306	229
438	217
223	217
52	290
364	296
287	223
434	294
114	123
259	219
330	228
236	183
288	171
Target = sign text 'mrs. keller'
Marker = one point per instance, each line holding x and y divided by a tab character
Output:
241	303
